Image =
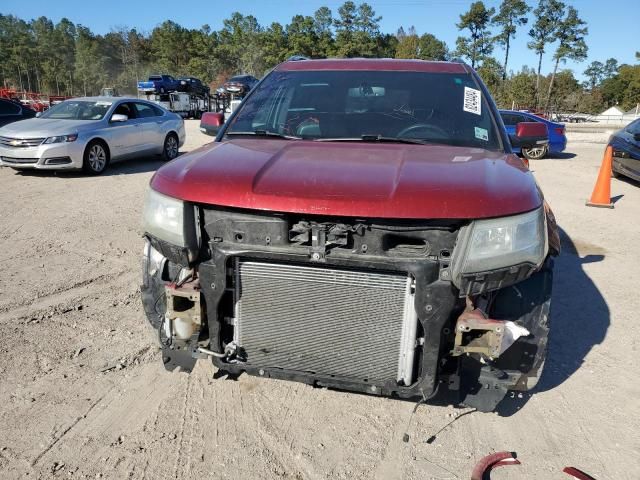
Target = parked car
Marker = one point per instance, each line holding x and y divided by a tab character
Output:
159	84
192	85
557	137
11	111
626	151
357	224
240	85
88	133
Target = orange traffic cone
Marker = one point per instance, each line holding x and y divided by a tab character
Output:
601	196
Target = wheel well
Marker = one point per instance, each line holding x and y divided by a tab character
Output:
175	134
104	144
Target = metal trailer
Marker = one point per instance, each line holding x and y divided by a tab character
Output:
184	104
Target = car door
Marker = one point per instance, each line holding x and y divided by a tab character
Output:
171	83
154	124
631	138
196	86
126	137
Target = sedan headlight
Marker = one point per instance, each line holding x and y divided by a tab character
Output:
500	243
169	219
62	138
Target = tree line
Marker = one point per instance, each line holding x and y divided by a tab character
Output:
64	58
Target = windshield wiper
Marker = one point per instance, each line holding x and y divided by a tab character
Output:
265	133
375	138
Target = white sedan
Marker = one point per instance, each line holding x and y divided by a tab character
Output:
88	133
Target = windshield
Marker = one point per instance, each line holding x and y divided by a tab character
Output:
78	110
430	107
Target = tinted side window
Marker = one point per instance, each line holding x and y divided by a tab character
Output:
522	118
125	109
9	108
633	127
509	118
158	111
144	110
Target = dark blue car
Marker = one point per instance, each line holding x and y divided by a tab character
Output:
159	84
626	151
557	137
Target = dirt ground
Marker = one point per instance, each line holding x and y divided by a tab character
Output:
83	393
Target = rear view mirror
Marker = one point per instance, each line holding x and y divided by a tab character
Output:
211	122
118	117
530	134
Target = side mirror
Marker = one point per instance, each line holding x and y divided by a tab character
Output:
530	134
211	122
38	114
118	117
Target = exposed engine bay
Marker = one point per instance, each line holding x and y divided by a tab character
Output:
378	307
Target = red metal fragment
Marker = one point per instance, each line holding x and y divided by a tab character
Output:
577	474
499	459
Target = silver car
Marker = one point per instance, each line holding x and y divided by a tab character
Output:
88	133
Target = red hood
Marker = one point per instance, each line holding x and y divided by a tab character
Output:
352	179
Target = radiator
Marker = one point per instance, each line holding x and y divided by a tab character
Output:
326	321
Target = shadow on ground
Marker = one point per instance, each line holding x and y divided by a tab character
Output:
628	180
579	319
561	156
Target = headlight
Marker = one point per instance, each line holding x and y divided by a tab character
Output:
500	243
62	138
169	219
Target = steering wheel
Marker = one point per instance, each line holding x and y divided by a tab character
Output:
406	132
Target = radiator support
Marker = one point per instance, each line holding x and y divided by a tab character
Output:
319	320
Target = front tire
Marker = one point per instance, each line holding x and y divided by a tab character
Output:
535	153
170	148
96	158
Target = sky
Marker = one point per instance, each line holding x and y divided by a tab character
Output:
613	24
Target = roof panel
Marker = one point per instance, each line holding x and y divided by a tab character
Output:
380	64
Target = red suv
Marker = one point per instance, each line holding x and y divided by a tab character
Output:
360	225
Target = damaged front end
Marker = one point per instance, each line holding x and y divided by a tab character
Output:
392	308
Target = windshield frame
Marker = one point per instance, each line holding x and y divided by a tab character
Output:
48	114
502	143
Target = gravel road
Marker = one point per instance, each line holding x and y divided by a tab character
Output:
83	393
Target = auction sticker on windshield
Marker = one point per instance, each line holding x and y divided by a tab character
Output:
104	104
471	100
482	134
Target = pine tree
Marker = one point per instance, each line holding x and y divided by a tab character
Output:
510	16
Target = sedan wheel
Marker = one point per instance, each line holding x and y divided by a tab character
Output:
170	147
95	158
535	153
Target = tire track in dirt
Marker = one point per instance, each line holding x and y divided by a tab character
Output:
23	307
65	431
121	412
